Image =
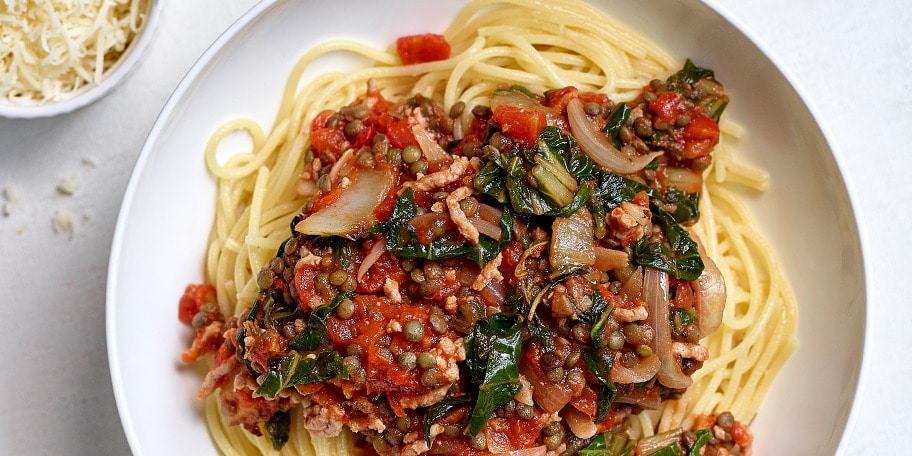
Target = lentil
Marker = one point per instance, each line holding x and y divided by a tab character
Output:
352	363
429	378
649	96
550	360
630	360
265	278
337	277
725	420
353	128
414	330
419	167
643	351
556	375
526	412
592	108
323	183
346	309
616	340
411	153
457	109
407	360
427	360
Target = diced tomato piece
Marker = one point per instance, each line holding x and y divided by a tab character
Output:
741	435
521	125
398	131
700	136
194	296
322	119
428	47
558	99
667	106
327	140
701	127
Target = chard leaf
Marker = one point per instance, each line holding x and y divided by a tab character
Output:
277	428
678	256
671	450
703	437
492	356
616	120
402	238
295	369
487	247
687	205
600	363
441	409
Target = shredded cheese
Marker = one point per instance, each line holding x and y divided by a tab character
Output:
51	48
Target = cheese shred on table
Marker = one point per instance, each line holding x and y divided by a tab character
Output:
51	48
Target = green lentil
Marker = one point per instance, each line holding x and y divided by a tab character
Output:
630	359
414	330
407	360
402	423
616	340
452	430
394	155
366	159
352	363
633	333
427	360
337	277
592	108
411	154
418	275
346	309
469	206
438	227
429	288
353	128
649	96
526	412
429	378
572	359
556	375
359	112
265	278
419	167
682	120
457	109
643	351
438	323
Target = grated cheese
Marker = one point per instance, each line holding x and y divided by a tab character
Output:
51	48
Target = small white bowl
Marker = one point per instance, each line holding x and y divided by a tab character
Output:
91	93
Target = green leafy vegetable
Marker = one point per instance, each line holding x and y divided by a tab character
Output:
703	437
710	93
277	427
295	369
671	450
680	256
601	445
554	165
402	237
492	356
616	120
600	363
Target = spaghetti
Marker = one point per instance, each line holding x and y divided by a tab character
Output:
495	44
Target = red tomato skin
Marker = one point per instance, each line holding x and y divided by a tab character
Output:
429	47
327	140
194	297
521	125
667	106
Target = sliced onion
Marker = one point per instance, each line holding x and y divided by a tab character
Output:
579	423
598	147
432	151
486	228
655	293
608	259
647	398
683	179
353	212
551	397
710	293
376	251
633	287
645	370
571	242
495	293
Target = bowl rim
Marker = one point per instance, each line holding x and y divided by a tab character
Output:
91	93
854	203
262	5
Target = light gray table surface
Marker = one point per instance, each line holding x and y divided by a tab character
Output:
853	58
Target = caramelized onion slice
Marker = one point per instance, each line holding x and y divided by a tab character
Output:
655	293
598	147
608	259
353	212
571	242
645	370
710	293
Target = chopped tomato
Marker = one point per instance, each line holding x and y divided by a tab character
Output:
398	131
322	119
327	140
667	106
558	99
684	296
521	125
700	136
428	47
194	297
741	435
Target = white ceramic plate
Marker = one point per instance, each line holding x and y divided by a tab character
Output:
161	234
